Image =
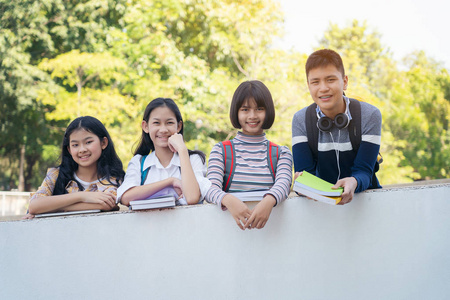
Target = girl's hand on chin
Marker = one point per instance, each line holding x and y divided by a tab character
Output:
176	143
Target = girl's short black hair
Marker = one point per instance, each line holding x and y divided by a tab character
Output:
108	165
253	89
146	145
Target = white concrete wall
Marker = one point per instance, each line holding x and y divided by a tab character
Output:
385	245
13	203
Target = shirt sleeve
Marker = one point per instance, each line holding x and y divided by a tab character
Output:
132	177
369	148
105	186
283	177
302	155
199	168
48	185
111	189
216	169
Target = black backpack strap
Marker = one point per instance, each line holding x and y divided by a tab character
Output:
354	128
312	132
355	134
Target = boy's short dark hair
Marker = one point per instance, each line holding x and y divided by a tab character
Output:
252	89
323	58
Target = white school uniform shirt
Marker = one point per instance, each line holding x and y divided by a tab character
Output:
157	173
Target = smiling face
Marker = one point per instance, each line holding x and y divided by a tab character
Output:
326	86
251	117
86	148
162	124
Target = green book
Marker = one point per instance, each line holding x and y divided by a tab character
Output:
314	184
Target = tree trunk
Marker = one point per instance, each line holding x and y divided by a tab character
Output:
31	161
21	169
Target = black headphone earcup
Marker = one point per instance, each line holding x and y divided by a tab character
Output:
341	121
324	124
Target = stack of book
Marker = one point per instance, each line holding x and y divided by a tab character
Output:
250	195
317	189
158	202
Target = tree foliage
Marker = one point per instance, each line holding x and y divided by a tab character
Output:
413	101
62	59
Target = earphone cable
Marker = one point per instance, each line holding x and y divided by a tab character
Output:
336	150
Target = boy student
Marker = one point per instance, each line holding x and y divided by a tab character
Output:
336	138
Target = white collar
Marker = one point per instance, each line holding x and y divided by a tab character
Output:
152	161
320	114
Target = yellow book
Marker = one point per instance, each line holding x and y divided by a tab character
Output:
321	198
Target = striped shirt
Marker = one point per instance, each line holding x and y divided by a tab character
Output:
252	170
48	185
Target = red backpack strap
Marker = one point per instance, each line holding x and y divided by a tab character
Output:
273	153
229	161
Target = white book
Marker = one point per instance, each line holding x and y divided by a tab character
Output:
152	206
67	213
153	200
165	201
321	198
250	195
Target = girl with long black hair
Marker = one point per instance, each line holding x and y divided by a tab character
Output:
88	176
162	164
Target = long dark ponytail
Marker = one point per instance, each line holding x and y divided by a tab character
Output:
108	165
146	145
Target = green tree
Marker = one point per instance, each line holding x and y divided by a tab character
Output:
372	73
29	31
361	47
196	52
420	116
61	59
414	103
23	129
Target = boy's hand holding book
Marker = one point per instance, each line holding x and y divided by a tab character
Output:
318	189
349	185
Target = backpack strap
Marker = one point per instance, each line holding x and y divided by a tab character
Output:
229	159
144	173
312	132
273	153
355	134
354	128
354	131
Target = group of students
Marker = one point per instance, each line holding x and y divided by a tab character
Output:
91	176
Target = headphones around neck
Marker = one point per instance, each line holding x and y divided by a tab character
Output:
340	121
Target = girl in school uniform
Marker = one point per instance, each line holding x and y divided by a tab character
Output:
162	164
252	110
89	173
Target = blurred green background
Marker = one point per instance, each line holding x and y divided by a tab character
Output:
63	59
